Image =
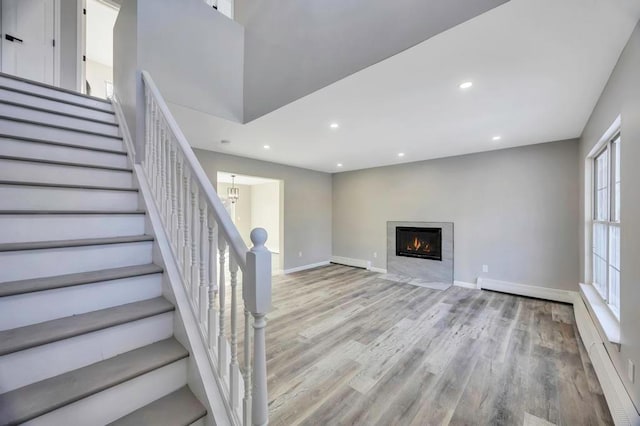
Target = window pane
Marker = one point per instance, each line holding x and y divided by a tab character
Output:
600	275
601	186
614	291
616	166
600	239
600	258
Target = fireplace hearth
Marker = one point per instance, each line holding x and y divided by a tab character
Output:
422	243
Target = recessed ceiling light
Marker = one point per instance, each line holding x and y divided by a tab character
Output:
339	164
466	85
334	125
496	138
401	154
267	147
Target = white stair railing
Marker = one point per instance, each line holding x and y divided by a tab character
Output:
192	215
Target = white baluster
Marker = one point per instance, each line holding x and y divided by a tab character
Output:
234	372
222	341
194	244
147	128
213	288
202	303
186	234
173	229
257	297
163	173
180	236
167	179
246	373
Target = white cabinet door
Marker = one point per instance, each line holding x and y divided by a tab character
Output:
27	39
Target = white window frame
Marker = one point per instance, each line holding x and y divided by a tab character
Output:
606	144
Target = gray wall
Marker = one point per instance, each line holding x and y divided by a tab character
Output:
514	210
205	50
294	48
307	204
621	96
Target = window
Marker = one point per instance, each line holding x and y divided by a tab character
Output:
606	223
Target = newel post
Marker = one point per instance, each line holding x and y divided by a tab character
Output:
257	298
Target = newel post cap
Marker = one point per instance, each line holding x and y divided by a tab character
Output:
257	291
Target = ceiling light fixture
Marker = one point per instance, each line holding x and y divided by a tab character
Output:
401	154
233	193
466	85
267	147
339	164
334	125
496	138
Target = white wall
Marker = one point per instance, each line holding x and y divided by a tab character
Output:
265	211
621	96
206	51
242	210
97	75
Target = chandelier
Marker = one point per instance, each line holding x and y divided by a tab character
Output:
233	193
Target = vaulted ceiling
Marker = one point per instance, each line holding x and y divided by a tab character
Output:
537	68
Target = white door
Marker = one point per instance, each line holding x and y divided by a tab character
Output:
27	39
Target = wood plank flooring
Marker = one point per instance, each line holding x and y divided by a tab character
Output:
346	347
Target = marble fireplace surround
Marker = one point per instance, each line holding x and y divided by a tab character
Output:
425	271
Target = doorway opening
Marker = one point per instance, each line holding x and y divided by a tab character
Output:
259	203
98	67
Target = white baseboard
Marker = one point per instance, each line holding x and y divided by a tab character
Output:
466	285
358	263
305	267
546	293
620	405
378	270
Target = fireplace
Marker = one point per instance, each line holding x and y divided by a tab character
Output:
423	243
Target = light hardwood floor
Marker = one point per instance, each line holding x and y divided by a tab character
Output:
346	347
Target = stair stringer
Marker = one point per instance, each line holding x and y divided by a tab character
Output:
201	375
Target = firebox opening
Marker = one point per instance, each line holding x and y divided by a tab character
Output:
423	243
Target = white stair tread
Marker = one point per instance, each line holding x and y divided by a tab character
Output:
70	212
55	126
66	145
65	163
58	94
39	398
30	336
66	185
179	408
41	245
69	280
59	113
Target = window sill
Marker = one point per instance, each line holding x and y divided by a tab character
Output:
607	321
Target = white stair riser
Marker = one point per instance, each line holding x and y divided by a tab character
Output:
42	151
36	131
24	228
38	102
52	93
26	113
26	264
42	362
118	401
26	309
18	197
24	171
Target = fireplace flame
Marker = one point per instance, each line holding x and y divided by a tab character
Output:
417	245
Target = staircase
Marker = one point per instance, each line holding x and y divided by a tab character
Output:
86	336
